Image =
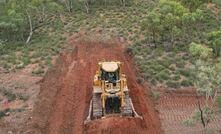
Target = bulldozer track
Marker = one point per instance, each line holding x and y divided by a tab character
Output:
127	110
96	106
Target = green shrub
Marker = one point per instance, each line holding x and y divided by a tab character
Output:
163	75
172	68
26	60
135	50
180	64
23	97
38	71
165	62
158	52
129	50
11	96
157	67
48	61
151	71
200	50
173	84
11	58
218	100
175	77
6	65
3	112
207	111
184	72
186	83
186	57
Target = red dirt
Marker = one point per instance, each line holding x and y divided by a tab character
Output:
67	89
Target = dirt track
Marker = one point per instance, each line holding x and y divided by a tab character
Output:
66	93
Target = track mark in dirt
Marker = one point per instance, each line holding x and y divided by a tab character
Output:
175	108
67	89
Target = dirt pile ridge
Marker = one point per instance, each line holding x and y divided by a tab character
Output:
67	89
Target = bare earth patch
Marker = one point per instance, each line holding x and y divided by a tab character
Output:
18	94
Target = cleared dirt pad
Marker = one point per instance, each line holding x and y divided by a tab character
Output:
175	108
66	92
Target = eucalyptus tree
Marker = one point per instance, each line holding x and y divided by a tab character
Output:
165	22
25	16
153	25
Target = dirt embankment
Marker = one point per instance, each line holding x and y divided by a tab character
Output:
67	88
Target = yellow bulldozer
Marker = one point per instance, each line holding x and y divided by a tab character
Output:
110	92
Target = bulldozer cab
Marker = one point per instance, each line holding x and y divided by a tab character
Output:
111	77
110	72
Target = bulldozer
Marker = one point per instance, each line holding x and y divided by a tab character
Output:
110	92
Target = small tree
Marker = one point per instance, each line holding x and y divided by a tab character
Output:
153	24
208	80
207	76
165	22
207	72
171	19
190	24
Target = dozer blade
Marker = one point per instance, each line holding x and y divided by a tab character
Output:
96	112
